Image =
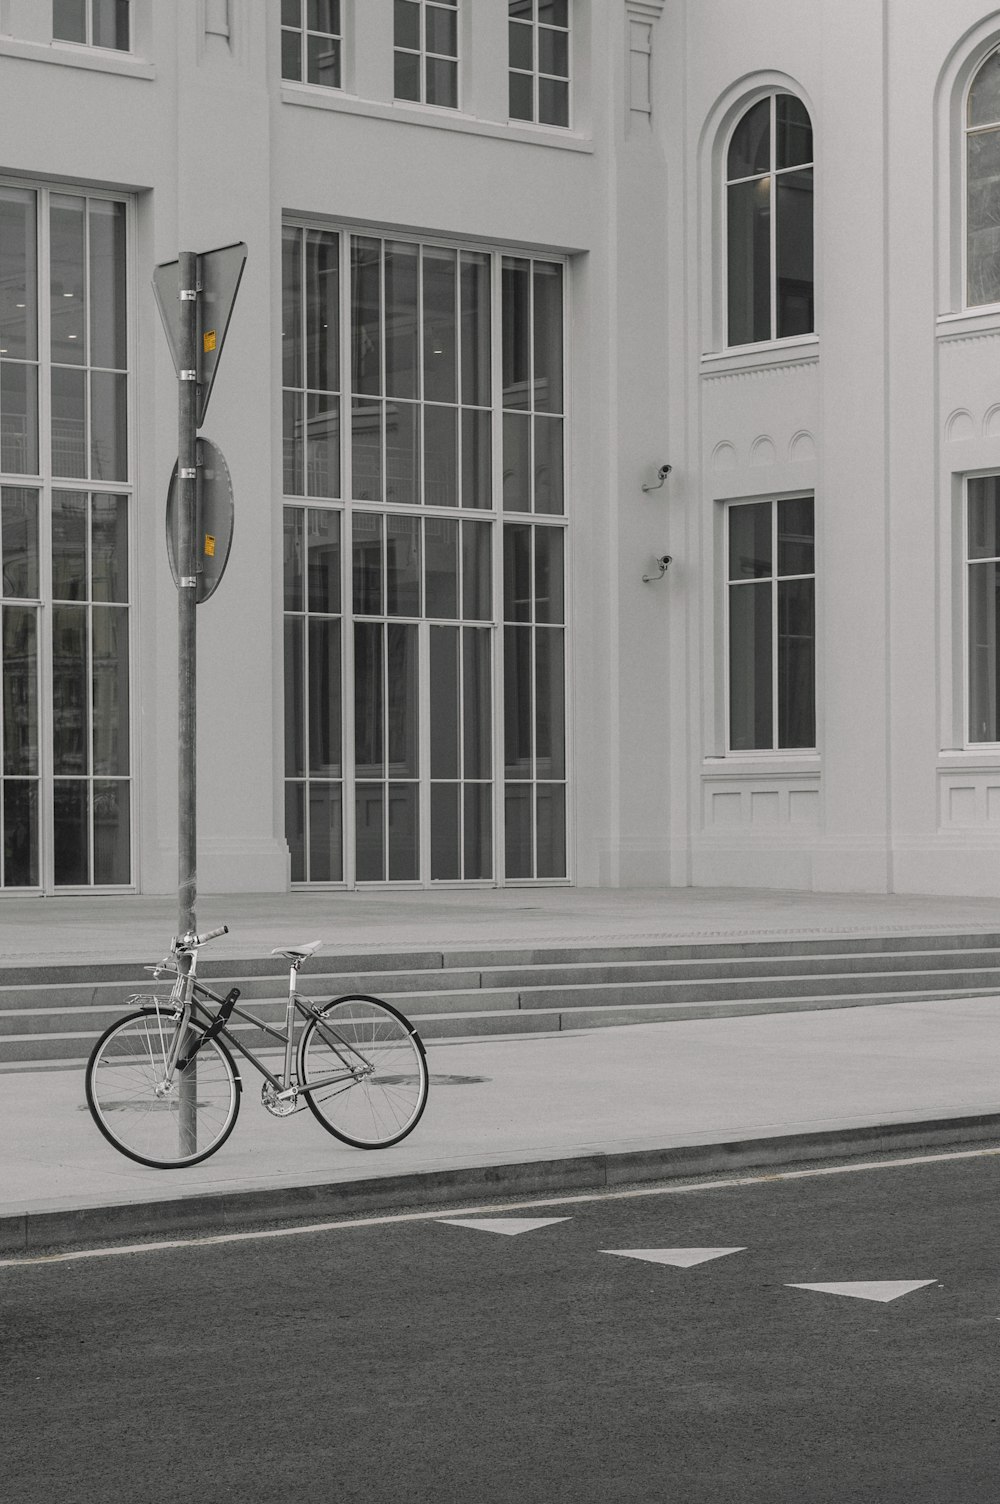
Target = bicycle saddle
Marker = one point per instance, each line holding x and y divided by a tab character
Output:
298	952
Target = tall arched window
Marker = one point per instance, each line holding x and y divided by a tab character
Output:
982	159
769	217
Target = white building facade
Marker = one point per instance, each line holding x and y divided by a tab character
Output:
507	261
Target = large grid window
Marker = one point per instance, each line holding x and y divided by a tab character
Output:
769	223
398	694
771	601
425	54
312	42
538	61
982	164
94	23
65	523
983	572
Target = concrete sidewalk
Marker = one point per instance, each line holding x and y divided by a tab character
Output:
527	1114
513	1115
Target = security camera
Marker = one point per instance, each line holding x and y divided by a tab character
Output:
663	472
665	560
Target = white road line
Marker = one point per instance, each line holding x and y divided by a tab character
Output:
438	1215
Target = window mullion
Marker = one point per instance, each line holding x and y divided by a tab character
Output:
773	228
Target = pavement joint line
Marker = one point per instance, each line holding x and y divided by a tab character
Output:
440	1215
40	1230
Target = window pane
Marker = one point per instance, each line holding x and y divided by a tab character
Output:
750	147
294	554
517	572
518	698
477	719
984	661
111	30
477	593
477	459
295	699
109	549
68	290
404	831
795	536
69	546
366	321
549	593
750	541
19	418
406	76
984	517
442	30
20	690
367	564
20	834
295	830
19	549
293	443
401	686
475	291
69	20
323	62
550	688
794	132
750	688
71	835
324	696
69	422
553	102
108	426
70	690
983	222
525	9
478	830
444	706
984	96
551	811
291	308
548	330
109	670
441	456
323	444
291	55
369	751
18	276
402	453
796	664
440	272
749	262
324	560
517	831
794	253
402	566
291	13
516	291
442	83
521	105
326	833
108	342
553	52
441	581
520	45
366	459
517	462
549	466
402	364
369	801
324	15
407	24
445	838
322	313
553	12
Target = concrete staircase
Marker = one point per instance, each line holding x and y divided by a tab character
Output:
51	1015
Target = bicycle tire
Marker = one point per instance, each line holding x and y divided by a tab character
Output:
382	1106
125	1066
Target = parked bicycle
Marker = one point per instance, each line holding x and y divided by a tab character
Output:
164	1089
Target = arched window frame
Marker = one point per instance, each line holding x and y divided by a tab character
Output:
772	173
968	132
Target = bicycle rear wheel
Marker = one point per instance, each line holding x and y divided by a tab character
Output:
363	1072
171	1128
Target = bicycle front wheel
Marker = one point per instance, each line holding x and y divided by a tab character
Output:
165	1127
363	1071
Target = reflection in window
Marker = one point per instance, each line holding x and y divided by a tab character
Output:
93	23
538	61
312	42
982	164
426	51
769	223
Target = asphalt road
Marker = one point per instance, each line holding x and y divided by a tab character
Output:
414	1360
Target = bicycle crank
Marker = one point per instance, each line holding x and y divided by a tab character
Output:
281	1104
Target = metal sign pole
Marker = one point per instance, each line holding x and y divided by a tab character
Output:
187	497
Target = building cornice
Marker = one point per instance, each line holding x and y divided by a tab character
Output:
645	10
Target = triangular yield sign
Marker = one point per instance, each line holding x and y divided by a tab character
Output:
873	1289
509	1226
219	274
681	1258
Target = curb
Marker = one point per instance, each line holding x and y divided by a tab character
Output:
48	1230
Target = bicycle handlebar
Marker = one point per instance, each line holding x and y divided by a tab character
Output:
192	942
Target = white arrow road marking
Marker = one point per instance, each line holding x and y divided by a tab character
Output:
681	1258
874	1289
510	1226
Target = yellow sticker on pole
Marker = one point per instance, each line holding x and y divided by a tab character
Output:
209	546
208	340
